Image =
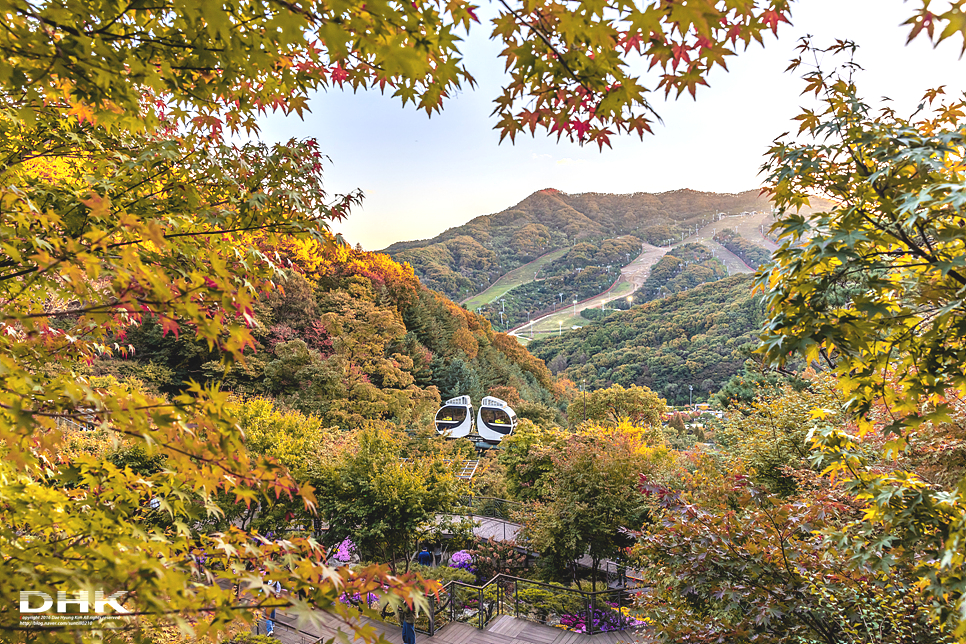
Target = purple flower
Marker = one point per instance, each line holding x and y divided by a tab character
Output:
345	551
462	559
355	599
603	621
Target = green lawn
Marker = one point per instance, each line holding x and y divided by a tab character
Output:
557	323
622	289
514	278
565	319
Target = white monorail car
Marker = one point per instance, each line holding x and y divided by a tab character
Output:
455	418
495	420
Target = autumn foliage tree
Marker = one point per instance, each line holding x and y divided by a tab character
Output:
102	229
122	201
771	435
369	493
636	404
729	561
587	494
567	60
872	290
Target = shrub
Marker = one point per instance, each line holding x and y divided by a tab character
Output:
444	574
249	638
546	601
497	557
604	620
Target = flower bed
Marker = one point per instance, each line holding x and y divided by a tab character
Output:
603	621
355	599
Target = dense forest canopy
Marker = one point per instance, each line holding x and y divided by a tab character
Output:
353	337
698	338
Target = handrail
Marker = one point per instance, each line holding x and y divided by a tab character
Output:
80	426
490	498
471	501
589	611
532	583
488	505
591	615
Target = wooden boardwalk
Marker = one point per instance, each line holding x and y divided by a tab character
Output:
501	630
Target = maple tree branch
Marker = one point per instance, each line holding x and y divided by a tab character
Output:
202	233
546	40
111	23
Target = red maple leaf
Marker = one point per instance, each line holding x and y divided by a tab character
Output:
772	18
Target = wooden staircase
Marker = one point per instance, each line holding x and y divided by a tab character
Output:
503	629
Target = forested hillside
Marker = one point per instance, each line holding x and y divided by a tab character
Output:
466	259
749	252
142	243
683	267
354	337
696	337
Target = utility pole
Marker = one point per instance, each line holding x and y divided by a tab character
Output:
559	328
575	308
690	390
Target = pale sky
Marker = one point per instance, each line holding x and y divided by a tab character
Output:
421	176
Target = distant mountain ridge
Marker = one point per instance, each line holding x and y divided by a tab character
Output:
466	259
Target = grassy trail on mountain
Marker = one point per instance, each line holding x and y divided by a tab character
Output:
513	279
632	277
750	227
749	223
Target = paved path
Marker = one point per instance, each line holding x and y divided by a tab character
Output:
501	630
489	527
753	228
748	226
501	530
